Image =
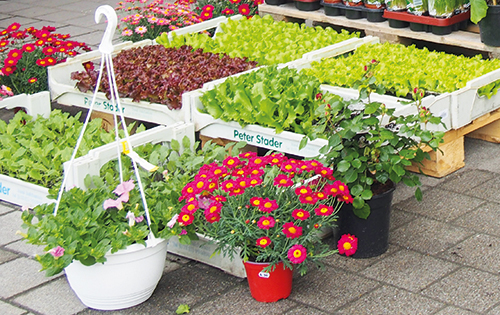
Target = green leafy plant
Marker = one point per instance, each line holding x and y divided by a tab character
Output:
442	8
35	150
147	19
270	208
371	147
283	99
396	5
261	39
403	68
479	9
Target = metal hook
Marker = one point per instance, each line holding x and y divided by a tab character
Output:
106	46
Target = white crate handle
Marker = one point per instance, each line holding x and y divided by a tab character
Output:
483	80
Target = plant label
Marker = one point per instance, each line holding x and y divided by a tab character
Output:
264	275
257	139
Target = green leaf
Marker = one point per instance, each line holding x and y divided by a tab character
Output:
182	309
418	194
343	166
174	144
362	213
478	10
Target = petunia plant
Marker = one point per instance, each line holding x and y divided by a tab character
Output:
270	208
25	55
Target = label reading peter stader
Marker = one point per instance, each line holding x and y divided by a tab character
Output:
257	139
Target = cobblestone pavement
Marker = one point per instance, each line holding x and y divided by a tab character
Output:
443	256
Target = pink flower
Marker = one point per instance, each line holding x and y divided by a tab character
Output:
131	218
265	223
297	254
172	221
141	29
291	230
56	251
183	232
348	244
124	187
111	203
300	214
127	32
263	242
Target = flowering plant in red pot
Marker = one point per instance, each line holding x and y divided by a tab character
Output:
208	9
272	209
145	19
25	55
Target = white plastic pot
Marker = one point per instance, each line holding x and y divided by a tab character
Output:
126	279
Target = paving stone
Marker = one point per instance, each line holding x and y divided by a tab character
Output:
63	16
238	299
6	256
479	251
428	236
483	219
444	209
494	311
488	190
5	207
303	309
482	155
25	22
55	298
8	309
409	270
74	30
34	11
19	275
23	247
330	289
57	4
467	288
390	300
10	223
400	218
463	182
11	6
404	192
453	310
357	265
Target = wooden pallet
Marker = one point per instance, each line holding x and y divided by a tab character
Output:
452	155
456	40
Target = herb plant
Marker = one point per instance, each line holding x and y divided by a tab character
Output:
26	54
261	39
402	68
147	19
161	75
35	150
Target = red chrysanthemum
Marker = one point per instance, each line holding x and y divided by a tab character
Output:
276	158
256	201
300	214
220	198
263	242
283	180
345	198
185	218
190	207
28	47
256	162
50	61
288	167
214	207
231	162
291	230
40	42
32	80
321	195
10	62
257	2
218	171
268	205
15	54
297	254
308	199
348	244
249	154
234	1
13	27
255	172
237	191
212	217
7	70
323	210
206	15
266	223
4	43
228	185
200	184
324	171
332	189
303	191
238	172
208	8
42	34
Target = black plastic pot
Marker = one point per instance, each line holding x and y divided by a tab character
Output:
275	2
489	26
307	6
373	232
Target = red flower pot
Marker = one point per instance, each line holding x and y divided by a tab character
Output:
268	286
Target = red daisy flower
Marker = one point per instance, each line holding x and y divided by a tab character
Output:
4	43
212	217
345	198
15	54
48	51
288	167
234	1
42	34
255	172
228	185
332	189
185	218
348	244
40	42
239	172
309	199
32	80
13	27
276	158
300	214
231	162
220	198
297	254
28	47
187	191
214	207
266	223
291	230
256	162
50	61
219	171
324	171
243	182
10	62
71	53
268	205
321	195
283	181
323	210
303	191
256	201
263	242
7	70
200	184
208	8
255	181
250	154
237	191
190	207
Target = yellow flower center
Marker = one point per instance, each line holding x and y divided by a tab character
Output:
342	188
297	253
268	205
190	207
263	242
303	191
265	222
347	245
300	214
185	217
292	230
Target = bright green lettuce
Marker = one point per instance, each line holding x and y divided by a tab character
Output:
403	68
261	39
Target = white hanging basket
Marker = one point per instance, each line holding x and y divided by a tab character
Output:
126	279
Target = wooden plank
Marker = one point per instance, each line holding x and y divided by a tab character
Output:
462	39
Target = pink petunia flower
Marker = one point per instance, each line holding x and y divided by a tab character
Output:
56	251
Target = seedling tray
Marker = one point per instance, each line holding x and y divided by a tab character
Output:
353	13
438	26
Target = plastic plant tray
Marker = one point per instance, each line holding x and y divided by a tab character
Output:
353	12
438	26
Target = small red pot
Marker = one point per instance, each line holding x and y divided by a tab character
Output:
268	286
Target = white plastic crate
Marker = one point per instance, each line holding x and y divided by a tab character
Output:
35	104
457	109
22	193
